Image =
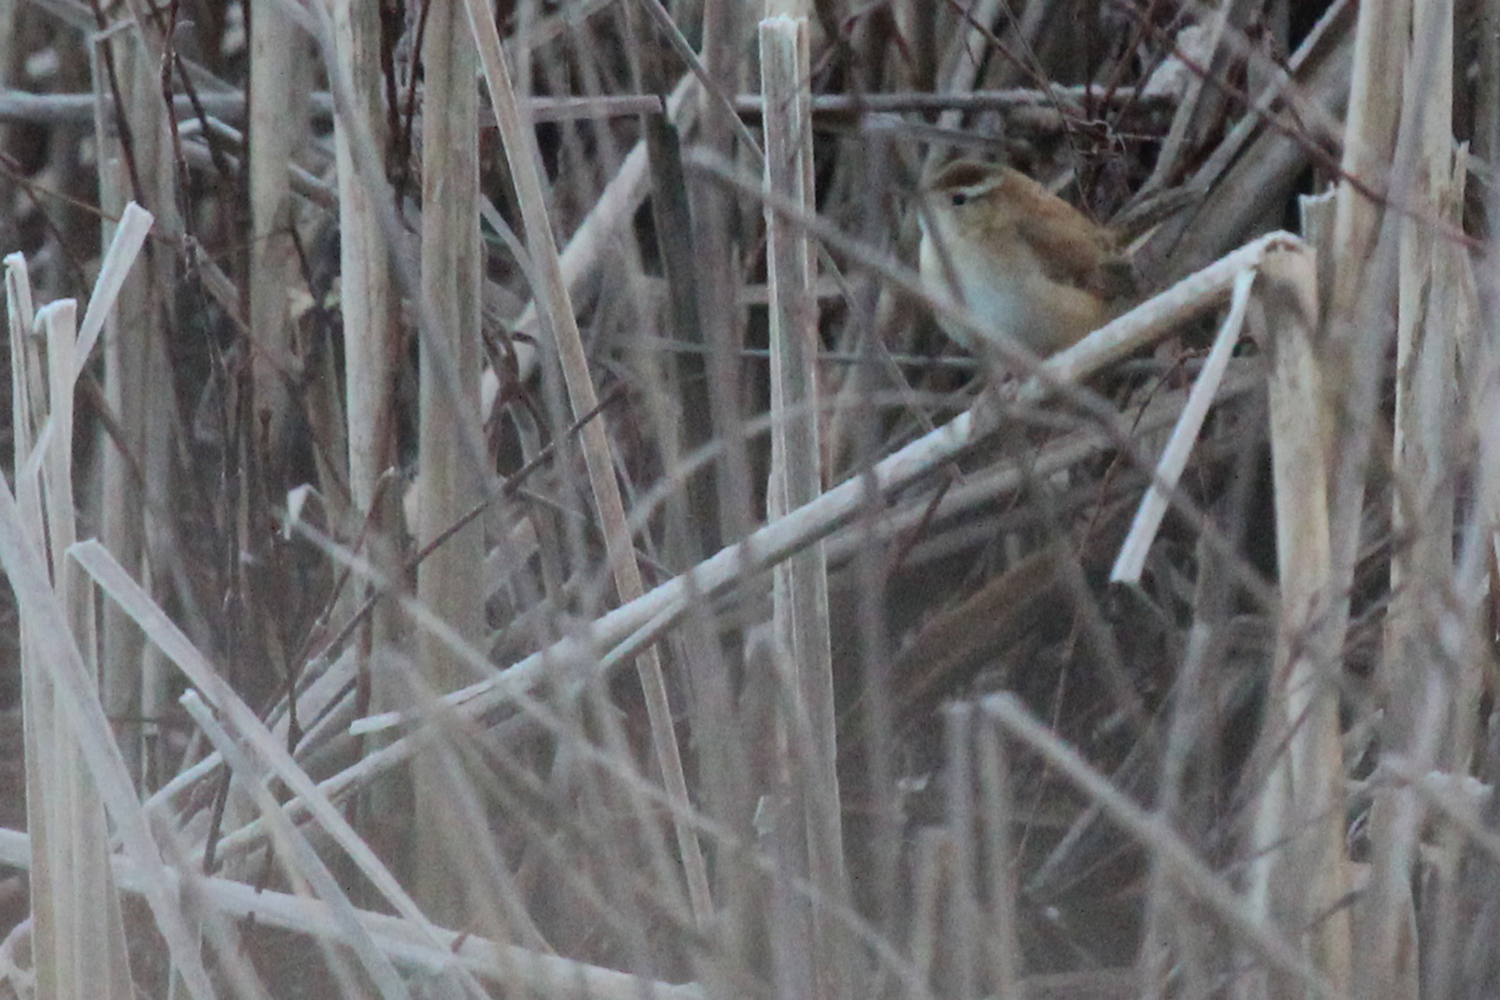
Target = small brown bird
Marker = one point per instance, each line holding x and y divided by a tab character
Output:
1025	261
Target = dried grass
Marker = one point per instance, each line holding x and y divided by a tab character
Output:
401	425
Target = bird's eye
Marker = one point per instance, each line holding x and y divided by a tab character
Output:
960	198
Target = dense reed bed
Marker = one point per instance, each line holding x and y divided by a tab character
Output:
489	509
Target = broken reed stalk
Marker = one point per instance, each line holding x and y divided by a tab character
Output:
1363	269
75	912
963	937
1132	558
1458	305
88	909
1001	930
1299	870
75	771
74	909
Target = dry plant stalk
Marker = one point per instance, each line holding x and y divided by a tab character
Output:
278	96
369	316
75	904
74	768
807	751
1014	506
1300	871
1191	874
1424	696
645	620
452	478
137	382
548	975
519	146
107	573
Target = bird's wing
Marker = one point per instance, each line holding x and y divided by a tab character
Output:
1070	248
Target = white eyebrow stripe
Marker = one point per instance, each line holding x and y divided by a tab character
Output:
980	188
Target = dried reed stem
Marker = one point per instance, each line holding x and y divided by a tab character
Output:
520	146
806	716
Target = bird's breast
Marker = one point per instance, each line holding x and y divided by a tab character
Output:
998	292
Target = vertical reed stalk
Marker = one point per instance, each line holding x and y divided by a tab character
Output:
800	591
520	148
449	483
1422	512
1299	872
137	382
278	96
